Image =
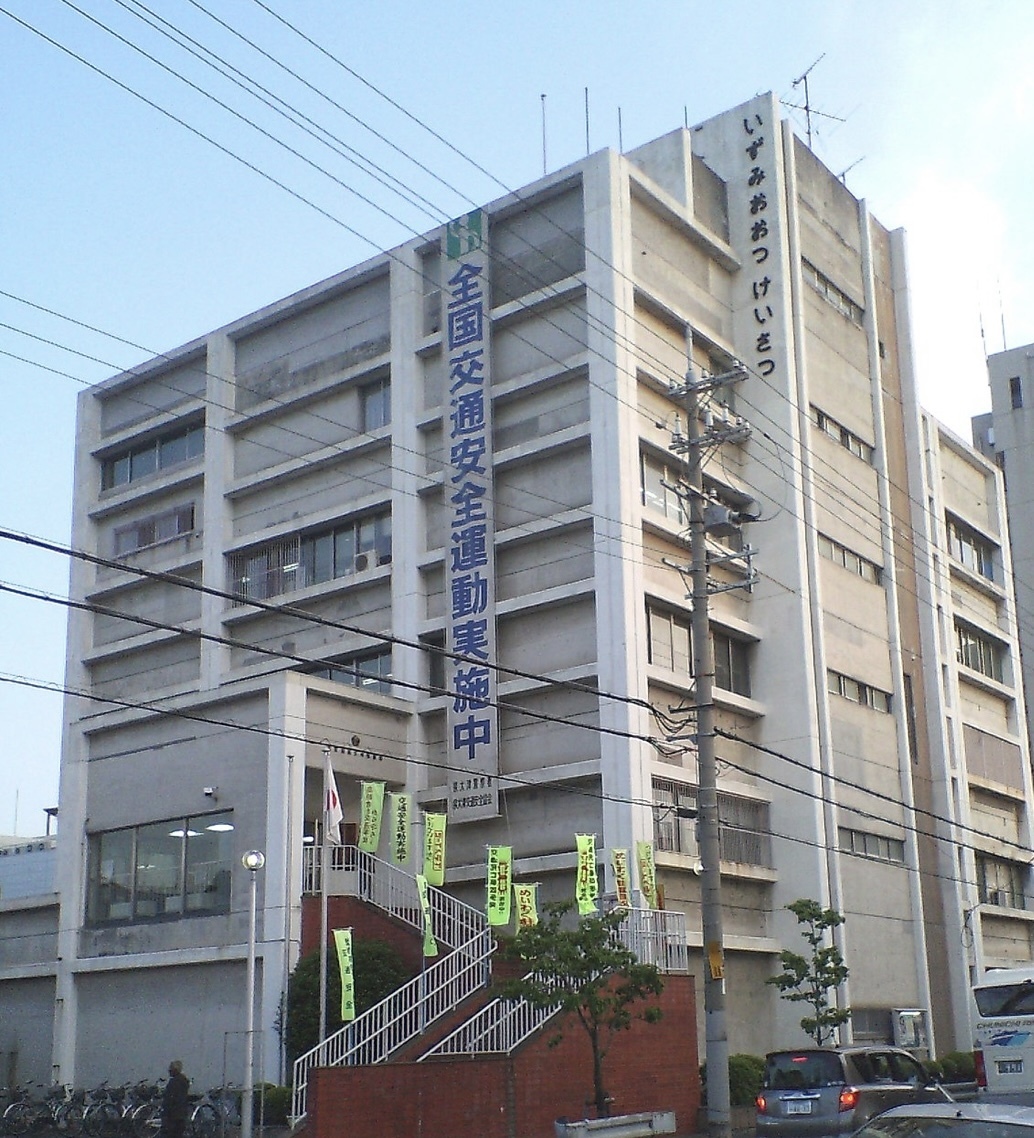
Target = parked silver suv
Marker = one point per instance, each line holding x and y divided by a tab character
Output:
825	1092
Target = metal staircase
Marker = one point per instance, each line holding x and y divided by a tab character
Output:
501	1025
436	991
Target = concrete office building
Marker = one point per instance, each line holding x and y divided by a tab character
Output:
1004	435
464	443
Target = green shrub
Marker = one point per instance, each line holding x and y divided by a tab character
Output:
958	1067
745	1074
378	970
275	1105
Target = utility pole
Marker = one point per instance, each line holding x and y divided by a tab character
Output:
702	514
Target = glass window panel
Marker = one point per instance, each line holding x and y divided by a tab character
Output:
195	442
660	639
344	551
159	868
681	654
110	895
172	450
144	461
382	539
322	557
209	862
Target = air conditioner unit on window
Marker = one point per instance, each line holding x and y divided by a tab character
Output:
362	562
997	897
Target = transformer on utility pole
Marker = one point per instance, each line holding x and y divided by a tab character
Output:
706	515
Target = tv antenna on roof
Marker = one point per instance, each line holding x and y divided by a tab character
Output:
807	108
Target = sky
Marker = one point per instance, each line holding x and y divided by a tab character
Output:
143	201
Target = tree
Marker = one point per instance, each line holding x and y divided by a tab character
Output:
378	971
814	979
584	970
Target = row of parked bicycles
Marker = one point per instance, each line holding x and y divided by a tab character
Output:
111	1112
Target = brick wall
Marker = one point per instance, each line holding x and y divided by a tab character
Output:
366	923
649	1067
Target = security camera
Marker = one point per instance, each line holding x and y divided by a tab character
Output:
210	791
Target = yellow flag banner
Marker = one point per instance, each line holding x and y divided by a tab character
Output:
370	816
647	873
430	944
434	848
401	815
343	944
500	874
622	878
525	898
586	887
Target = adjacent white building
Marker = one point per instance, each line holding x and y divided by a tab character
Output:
464	444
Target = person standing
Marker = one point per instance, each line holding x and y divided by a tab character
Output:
175	1102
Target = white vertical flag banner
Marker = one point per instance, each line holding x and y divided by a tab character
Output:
332	813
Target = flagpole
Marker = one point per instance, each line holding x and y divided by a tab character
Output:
324	867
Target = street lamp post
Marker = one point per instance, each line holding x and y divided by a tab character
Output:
252	861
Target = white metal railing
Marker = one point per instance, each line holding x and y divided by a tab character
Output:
500	1027
411	1009
656	937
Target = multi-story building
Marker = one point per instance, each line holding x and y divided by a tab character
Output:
1004	435
425	516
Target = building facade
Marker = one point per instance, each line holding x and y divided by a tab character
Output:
425	518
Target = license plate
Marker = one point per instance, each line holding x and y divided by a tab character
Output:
1010	1066
797	1107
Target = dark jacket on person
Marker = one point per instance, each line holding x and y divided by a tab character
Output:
176	1098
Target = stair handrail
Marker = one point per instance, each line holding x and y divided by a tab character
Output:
501	1026
437	990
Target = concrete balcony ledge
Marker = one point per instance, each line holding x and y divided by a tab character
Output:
620	1126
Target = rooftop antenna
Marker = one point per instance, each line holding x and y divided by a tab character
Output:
543	98
807	108
586	122
1001	314
621	137
843	173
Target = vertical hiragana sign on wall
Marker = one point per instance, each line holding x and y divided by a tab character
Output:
472	745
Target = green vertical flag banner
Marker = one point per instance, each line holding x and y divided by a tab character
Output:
525	898
622	878
500	874
434	848
430	944
586	887
343	943
647	873
401	815
370	818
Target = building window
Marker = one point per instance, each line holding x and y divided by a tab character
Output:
874	846
969	548
325	555
978	651
851	561
731	663
179	867
434	662
159	453
832	294
370	671
668	640
1015	392
674	816
658	480
375	403
839	433
154	529
857	692
744	834
1000	882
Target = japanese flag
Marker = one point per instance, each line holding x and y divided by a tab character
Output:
332	814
